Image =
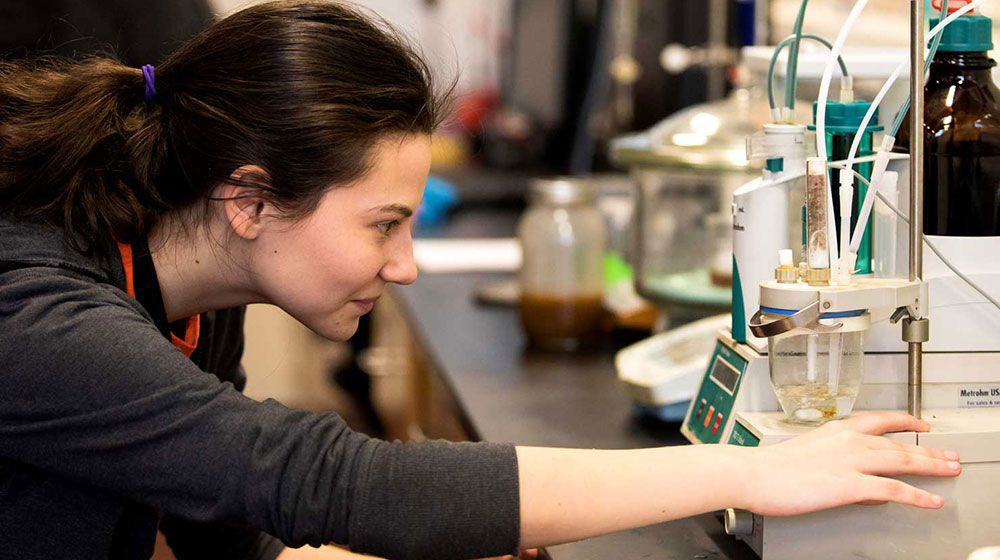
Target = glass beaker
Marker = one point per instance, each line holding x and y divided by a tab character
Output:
816	374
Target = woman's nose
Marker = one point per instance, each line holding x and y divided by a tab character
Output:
401	268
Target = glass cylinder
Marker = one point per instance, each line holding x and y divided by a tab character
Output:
817	375
562	273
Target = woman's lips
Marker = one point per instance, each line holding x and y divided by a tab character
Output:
365	305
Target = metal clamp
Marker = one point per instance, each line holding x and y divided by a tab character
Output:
807	318
916	330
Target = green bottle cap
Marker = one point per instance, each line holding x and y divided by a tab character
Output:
966	34
846	117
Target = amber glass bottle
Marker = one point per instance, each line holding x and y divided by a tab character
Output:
961	134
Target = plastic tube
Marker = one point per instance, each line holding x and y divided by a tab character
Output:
848	258
824	90
775	114
846	207
824	85
871	113
792	68
935	43
930	245
878	170
811	357
836	353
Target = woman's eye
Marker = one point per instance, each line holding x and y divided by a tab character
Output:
386	227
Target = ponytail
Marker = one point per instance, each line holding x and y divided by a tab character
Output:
80	147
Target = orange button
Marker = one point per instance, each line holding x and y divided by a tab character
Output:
708	417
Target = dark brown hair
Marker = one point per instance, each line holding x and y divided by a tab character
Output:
302	89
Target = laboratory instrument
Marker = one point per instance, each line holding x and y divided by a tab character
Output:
814	339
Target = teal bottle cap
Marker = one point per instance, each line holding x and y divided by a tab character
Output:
966	34
847	117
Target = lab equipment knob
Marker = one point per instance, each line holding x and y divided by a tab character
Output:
739	522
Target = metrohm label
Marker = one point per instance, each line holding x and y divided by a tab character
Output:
979	397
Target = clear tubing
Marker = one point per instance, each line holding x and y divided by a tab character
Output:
878	171
935	43
774	60
851	255
871	113
846	206
889	139
824	91
836	353
848	258
817	201
792	68
811	357
892	79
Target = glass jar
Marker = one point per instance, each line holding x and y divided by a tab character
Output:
816	375
562	273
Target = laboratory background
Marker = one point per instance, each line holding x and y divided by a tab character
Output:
666	222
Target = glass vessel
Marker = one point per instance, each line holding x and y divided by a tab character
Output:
816	375
686	169
562	237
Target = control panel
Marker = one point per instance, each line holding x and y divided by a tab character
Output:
712	406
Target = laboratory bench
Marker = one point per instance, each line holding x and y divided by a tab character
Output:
449	366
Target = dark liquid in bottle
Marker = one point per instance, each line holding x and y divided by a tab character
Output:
961	147
562	322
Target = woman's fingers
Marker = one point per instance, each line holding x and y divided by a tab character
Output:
878	423
879	442
898	462
891	490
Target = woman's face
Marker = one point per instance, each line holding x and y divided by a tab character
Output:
329	268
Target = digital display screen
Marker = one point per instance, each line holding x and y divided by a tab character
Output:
724	374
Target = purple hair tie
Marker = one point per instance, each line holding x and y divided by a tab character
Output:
149	74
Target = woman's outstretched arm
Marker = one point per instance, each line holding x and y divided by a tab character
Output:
572	494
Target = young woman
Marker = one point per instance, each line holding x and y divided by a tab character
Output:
278	157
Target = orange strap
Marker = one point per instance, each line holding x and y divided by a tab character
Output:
193	328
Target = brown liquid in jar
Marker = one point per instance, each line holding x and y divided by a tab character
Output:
722	279
555	321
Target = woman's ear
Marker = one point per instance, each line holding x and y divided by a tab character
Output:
247	207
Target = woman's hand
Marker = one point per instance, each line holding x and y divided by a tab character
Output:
845	462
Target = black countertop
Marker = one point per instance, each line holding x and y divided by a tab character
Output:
509	393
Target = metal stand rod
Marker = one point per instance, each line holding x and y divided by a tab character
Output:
915	353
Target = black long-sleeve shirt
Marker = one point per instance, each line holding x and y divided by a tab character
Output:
102	419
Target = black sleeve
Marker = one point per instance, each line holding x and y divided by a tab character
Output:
220	350
191	540
91	391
